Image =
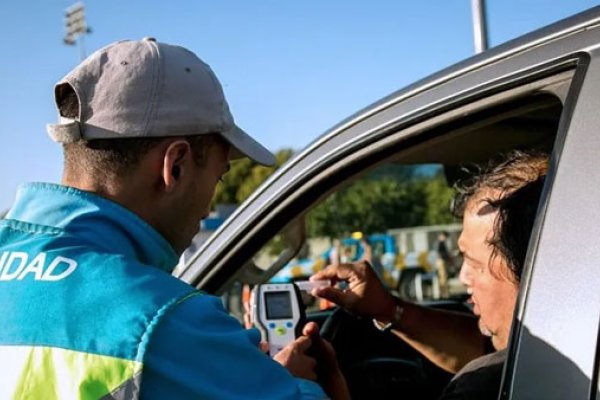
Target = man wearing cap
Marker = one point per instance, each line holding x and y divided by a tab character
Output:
89	308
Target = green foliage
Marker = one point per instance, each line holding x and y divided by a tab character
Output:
377	205
438	198
391	196
367	206
245	176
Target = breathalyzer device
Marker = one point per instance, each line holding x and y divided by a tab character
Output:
278	312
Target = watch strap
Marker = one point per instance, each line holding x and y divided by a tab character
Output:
398	311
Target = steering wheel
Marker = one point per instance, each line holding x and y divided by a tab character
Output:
371	361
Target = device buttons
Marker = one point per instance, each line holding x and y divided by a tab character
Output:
272	325
289	324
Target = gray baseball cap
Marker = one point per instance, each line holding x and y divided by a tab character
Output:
148	89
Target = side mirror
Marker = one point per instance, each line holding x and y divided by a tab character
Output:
288	244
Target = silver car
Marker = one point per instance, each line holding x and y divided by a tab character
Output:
541	90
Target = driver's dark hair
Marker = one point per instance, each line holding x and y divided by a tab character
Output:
514	223
511	185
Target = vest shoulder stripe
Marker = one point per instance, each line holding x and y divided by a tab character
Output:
143	344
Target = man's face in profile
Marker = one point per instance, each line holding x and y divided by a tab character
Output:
487	278
198	192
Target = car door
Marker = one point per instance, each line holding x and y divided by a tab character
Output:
554	349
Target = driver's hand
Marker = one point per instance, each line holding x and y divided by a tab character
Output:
365	294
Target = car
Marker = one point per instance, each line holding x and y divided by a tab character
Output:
538	91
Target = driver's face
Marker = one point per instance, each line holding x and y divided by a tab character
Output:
493	294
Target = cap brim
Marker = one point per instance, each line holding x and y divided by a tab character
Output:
245	146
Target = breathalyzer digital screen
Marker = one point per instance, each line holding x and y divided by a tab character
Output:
278	305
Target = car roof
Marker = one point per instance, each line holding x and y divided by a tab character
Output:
562	28
357	129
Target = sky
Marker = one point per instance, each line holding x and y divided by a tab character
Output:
290	69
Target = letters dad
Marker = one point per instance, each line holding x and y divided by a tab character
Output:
16	265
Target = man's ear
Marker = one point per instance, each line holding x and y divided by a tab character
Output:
175	160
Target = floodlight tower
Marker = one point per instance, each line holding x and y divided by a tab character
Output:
76	27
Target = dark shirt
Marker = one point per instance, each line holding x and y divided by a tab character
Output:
478	380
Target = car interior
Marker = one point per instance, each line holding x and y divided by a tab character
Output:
378	364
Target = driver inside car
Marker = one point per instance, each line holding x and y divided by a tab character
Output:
498	205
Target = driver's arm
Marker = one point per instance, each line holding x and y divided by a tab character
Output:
448	339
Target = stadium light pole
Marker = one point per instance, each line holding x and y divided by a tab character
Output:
479	25
76	27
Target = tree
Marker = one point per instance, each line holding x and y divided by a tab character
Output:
368	206
387	198
392	196
245	176
438	198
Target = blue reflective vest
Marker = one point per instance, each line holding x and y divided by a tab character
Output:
89	310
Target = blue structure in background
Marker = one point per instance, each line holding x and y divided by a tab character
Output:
383	253
212	223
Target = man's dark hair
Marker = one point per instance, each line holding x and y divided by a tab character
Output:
106	159
511	185
514	223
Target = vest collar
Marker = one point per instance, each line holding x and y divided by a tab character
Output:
95	219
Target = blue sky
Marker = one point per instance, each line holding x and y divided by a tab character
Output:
290	69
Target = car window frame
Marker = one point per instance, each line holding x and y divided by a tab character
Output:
403	129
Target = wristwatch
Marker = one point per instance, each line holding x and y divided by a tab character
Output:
398	310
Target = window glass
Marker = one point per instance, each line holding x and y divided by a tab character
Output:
398	214
393	216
